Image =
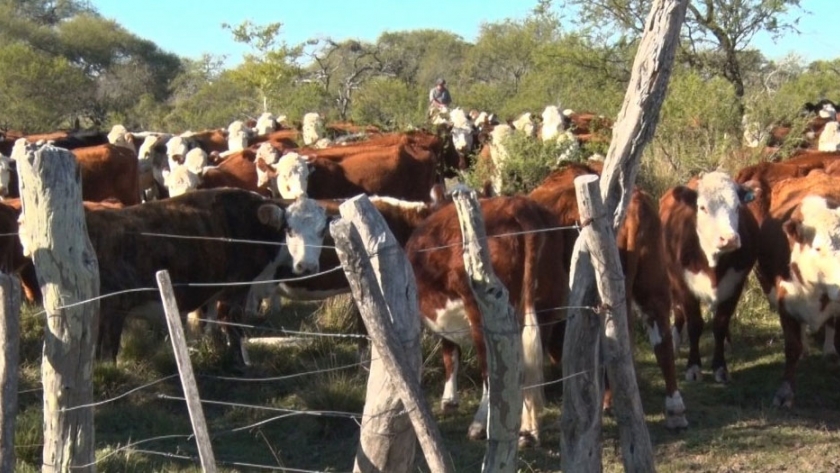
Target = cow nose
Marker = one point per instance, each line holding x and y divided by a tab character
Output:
729	242
303	268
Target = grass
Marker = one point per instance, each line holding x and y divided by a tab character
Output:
733	427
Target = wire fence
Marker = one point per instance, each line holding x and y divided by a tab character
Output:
277	413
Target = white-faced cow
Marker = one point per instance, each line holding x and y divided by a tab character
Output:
710	240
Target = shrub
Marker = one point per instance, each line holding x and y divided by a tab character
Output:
529	162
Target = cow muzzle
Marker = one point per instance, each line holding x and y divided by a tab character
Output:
304	268
729	243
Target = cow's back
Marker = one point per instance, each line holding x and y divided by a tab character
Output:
109	171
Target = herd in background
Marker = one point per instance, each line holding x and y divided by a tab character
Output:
150	196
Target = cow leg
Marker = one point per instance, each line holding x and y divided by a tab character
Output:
830	342
694	319
110	332
478	428
720	328
793	350
660	334
451	357
230	312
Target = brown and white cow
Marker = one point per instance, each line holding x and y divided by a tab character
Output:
130	255
710	241
529	262
642	254
108	172
799	263
407	171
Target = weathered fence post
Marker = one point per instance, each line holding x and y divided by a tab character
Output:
182	358
580	419
501	335
382	283
634	127
637	451
53	231
9	357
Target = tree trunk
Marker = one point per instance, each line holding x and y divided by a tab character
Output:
54	232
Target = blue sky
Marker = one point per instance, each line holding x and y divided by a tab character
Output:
192	27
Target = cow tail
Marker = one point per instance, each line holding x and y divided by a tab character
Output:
532	349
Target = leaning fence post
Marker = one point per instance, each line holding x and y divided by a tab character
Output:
637	451
501	335
9	356
53	231
388	304
182	358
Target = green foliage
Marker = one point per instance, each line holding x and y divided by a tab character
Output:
214	104
39	92
529	162
389	103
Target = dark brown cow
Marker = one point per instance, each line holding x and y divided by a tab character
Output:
11	251
129	256
108	172
530	265
798	263
642	256
710	240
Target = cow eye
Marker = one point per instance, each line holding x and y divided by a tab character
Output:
703	208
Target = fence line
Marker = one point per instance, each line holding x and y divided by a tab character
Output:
195	459
129	445
501	235
226	240
116	398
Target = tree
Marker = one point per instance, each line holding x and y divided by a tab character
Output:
39	92
341	68
714	37
271	65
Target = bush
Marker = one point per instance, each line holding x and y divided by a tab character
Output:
529	162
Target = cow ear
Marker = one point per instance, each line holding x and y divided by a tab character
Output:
748	191
793	230
685	195
273	215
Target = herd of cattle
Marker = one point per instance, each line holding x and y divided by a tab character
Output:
248	204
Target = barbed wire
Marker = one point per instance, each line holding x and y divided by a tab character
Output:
117	398
196	459
502	235
226	240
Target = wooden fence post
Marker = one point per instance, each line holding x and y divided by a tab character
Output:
501	336
54	232
353	245
9	358
637	451
387	442
634	127
580	419
182	358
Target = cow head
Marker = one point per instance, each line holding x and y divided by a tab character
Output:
814	236
717	202
237	136
177	148
312	128
6	168
525	123
462	132
552	123
292	175
266	124
830	137
266	156
196	160
304	223
181	180
119	136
